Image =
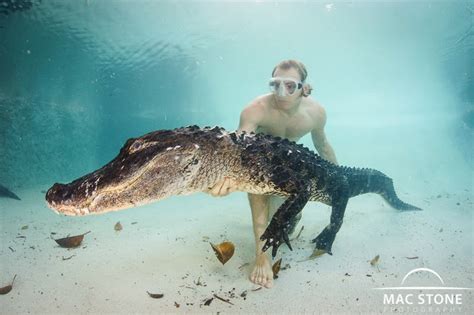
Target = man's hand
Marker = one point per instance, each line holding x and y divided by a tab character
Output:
222	188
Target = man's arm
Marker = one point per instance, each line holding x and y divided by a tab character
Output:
320	141
251	117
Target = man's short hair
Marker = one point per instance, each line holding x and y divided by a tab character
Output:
291	63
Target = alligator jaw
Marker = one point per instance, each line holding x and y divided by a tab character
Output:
67	210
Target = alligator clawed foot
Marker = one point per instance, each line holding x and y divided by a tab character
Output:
274	236
286	239
324	242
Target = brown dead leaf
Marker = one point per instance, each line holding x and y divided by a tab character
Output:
224	251
118	227
8	288
375	260
71	241
276	268
155	295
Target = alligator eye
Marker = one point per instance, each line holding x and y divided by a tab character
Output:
140	145
135	146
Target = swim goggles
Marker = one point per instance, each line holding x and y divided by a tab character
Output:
284	86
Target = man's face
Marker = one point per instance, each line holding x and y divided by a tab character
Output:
288	99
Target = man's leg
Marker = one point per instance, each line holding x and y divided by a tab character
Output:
263	208
262	273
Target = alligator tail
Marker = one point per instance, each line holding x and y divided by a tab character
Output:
362	181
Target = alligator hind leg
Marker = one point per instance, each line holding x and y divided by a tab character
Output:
293	223
325	239
277	231
275	204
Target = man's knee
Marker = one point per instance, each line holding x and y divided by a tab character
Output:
261	200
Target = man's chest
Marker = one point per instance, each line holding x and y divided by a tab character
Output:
291	128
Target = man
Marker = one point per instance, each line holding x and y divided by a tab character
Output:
287	112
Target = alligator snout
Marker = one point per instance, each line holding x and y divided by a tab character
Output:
61	198
56	193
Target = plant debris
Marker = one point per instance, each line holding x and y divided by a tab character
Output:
176	304
8	288
118	227
187	287
375	260
414	257
276	268
287	266
198	282
299	233
67	258
259	288
224	251
155	295
11	249
71	241
208	301
222	299
243	265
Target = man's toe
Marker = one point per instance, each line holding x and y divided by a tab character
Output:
269	283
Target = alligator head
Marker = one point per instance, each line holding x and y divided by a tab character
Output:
149	168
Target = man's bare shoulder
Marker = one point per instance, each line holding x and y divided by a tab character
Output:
258	106
253	115
315	110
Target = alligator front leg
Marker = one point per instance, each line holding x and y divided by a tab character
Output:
277	231
325	239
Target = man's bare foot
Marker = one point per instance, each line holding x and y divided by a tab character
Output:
262	273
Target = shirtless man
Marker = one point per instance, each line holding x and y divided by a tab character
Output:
287	112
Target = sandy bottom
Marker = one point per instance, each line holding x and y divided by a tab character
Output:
164	248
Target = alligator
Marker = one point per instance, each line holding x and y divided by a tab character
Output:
191	159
